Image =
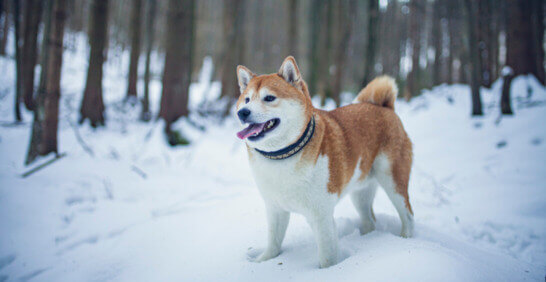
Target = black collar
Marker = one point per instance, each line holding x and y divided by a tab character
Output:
293	149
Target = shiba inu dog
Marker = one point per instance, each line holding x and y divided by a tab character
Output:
304	160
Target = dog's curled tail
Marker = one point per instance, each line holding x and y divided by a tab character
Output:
381	91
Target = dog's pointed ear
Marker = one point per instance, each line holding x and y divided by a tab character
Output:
289	71
244	75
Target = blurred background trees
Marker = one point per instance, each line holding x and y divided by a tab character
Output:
340	45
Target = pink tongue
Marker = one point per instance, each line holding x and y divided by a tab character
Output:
251	130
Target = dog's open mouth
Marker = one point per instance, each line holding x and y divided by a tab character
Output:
256	131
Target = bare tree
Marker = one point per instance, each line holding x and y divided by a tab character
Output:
293	28
5	25
412	86
92	106
325	50
369	64
146	115
233	49
29	50
346	10
178	64
315	19
437	36
135	48
46	113
474	49
537	39
18	68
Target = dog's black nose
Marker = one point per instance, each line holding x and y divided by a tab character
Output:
243	114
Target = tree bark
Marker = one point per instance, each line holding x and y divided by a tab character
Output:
538	39
437	42
178	61
371	42
5	26
146	115
315	18
347	10
293	28
483	32
233	49
135	48
46	113
522	50
325	54
412	84
474	57
18	69
29	50
92	106
506	108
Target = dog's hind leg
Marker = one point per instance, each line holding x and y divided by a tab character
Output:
396	188
277	222
363	202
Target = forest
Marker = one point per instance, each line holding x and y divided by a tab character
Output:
340	46
119	159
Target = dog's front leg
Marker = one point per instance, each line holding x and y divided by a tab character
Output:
324	227
277	221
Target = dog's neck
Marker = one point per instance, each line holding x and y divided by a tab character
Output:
293	149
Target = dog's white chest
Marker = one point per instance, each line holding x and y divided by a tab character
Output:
291	186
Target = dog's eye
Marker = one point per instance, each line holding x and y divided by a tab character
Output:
269	98
246	100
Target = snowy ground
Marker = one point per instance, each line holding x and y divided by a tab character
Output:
138	210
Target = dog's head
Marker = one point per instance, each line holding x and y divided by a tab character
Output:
273	109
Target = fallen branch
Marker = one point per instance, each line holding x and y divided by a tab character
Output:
79	138
139	171
33	170
76	130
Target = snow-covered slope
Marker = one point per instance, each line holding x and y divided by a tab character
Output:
138	210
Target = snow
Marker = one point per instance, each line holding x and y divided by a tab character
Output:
138	210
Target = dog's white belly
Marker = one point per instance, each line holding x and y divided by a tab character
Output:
300	189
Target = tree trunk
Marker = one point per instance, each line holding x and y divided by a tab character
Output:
325	55
146	114
455	40
135	48
506	108
29	50
474	51
92	106
494	38
18	69
538	39
522	53
315	18
412	87
232	54
46	113
293	28
483	30
5	26
347	10
371	42
437	42
178	62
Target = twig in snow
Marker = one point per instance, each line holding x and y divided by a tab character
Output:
57	157
139	171
76	130
79	138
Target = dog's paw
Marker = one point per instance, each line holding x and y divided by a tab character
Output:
266	255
